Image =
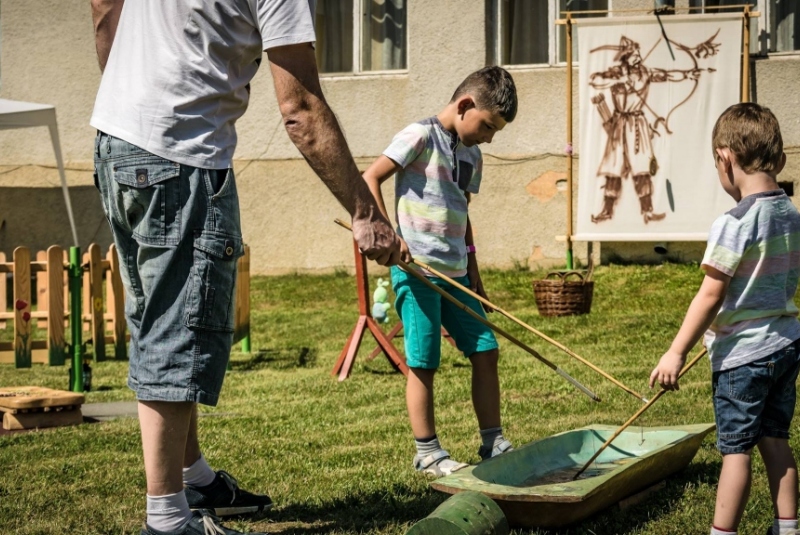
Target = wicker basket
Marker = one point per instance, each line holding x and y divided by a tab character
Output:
557	296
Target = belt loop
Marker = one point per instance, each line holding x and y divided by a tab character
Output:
108	144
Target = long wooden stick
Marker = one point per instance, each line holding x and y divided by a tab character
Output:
638	413
422	278
528	327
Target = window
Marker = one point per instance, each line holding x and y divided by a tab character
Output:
523	32
357	36
776	30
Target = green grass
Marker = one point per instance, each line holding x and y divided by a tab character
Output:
336	457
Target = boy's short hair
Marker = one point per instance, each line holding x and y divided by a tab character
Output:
493	89
752	134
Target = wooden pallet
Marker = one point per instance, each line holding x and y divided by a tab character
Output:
29	407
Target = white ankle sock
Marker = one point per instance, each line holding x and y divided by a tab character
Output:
784	526
715	531
168	513
199	474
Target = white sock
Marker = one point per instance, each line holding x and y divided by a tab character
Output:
784	526
199	474
168	513
715	531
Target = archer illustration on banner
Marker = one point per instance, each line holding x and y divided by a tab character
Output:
629	149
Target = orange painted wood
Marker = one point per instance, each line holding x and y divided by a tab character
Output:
37	420
242	314
56	341
37	397
3	291
116	304
22	306
98	323
41	286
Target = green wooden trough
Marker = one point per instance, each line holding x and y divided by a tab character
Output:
533	485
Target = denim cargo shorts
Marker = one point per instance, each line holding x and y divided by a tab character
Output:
756	400
178	236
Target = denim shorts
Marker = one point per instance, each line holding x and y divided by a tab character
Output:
756	400
178	237
424	313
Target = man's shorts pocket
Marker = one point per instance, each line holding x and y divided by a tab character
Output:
212	282
149	193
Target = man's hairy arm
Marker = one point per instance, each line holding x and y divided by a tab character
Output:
314	130
105	15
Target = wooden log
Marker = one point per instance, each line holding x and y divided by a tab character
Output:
465	513
22	307
34	420
116	305
98	324
56	342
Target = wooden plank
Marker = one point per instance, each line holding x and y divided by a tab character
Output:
56	342
3	293
242	315
34	420
116	305
22	307
37	397
98	324
41	289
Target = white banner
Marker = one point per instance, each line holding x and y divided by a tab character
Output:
646	168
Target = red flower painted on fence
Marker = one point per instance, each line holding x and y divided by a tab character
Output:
20	304
26	316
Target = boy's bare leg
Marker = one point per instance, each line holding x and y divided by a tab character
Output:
164	426
782	475
192	452
733	490
419	401
486	388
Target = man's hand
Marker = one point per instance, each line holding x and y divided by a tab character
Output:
667	371
377	240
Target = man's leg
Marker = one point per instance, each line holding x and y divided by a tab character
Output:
612	189
644	189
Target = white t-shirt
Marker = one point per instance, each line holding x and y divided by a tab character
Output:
177	76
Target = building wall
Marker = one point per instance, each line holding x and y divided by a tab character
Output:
47	55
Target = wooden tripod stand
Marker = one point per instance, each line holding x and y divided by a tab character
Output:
344	364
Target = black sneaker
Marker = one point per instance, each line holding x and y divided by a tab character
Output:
223	497
201	523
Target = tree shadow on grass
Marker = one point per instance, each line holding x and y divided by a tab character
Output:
361	512
289	358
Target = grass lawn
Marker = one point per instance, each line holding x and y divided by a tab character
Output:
336	457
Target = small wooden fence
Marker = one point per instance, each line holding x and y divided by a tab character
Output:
103	305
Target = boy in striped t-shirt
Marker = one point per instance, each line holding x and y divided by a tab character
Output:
437	166
745	306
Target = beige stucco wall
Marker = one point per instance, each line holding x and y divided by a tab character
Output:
47	55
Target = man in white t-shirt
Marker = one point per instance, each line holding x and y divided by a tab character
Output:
175	81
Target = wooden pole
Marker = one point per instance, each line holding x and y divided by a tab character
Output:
528	327
635	416
423	279
568	29
746	55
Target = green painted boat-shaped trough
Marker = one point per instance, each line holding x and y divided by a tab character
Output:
534	486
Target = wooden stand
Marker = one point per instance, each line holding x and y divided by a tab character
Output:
396	330
344	364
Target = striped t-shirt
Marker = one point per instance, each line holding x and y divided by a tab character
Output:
757	244
430	200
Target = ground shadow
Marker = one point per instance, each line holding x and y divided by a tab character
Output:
289	358
361	512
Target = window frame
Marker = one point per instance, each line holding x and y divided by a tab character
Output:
495	33
358	48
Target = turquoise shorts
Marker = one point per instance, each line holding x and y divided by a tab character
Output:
424	313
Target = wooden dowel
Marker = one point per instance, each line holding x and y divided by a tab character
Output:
422	278
528	327
635	416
